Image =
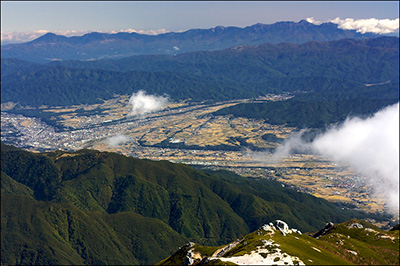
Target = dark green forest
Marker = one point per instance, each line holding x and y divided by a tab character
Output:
90	207
305	114
329	80
314	67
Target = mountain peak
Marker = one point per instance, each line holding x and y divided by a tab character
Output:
304	22
49	38
259	26
218	29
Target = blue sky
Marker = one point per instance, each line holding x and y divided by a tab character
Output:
84	16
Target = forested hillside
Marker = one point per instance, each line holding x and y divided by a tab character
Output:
303	113
324	70
91	207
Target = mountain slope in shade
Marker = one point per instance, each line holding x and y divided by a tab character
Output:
350	243
45	233
102	45
91	207
337	68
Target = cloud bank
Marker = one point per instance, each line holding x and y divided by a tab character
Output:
148	32
373	25
291	145
143	103
370	146
117	140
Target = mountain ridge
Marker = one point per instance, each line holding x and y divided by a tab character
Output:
275	243
144	209
267	68
341	77
97	45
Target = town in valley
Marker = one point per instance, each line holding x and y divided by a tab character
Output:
189	133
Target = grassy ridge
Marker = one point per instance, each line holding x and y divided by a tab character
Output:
342	245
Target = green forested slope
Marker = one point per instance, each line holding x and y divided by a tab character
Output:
365	61
96	207
337	67
68	86
305	113
37	232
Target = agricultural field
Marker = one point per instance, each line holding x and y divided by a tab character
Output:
189	133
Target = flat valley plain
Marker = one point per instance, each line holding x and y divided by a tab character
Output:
189	133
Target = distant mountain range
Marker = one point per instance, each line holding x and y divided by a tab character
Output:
326	68
91	207
91	46
339	77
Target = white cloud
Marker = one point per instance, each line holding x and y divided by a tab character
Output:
117	140
143	103
370	146
292	144
17	37
313	21
373	25
148	32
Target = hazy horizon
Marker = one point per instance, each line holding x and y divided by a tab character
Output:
24	21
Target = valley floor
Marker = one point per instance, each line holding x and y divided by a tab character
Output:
190	133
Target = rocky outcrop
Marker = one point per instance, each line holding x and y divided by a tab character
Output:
190	258
355	225
396	227
281	226
329	226
267	254
220	252
275	243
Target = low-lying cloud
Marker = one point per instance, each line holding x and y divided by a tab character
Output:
117	140
373	25
370	146
291	145
142	103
